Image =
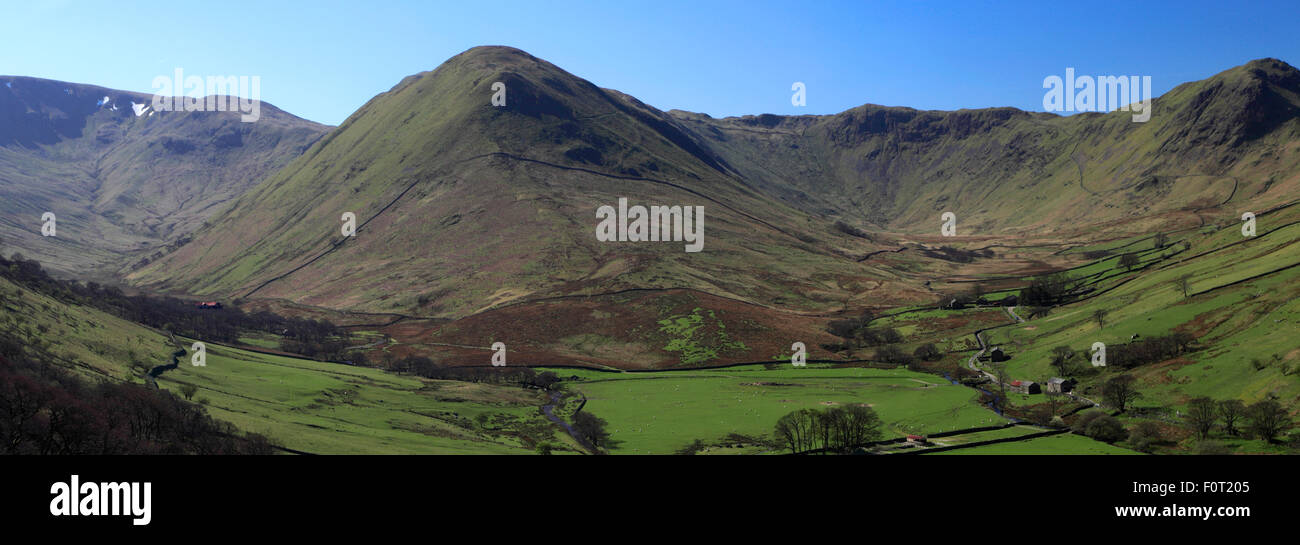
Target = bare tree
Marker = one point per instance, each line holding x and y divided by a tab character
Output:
1120	391
1054	402
1003	377
1100	316
860	424
1061	357
1183	284
795	430
825	426
1267	419
1231	410
1202	414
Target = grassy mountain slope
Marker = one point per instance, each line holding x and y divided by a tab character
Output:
302	405
1240	308
476	226
485	215
465	207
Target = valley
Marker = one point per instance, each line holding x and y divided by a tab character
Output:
938	266
124	187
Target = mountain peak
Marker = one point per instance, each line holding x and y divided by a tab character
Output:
1273	71
1270	63
496	54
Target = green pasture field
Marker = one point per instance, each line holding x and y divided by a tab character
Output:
1066	443
661	412
299	404
333	408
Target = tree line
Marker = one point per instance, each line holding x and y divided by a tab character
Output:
836	429
312	338
1263	420
1148	350
1125	356
520	376
1049	290
857	334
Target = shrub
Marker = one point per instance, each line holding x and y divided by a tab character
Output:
1047	290
692	448
1106	428
893	354
1212	448
1144	436
1081	422
928	352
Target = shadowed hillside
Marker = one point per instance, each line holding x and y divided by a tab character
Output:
120	185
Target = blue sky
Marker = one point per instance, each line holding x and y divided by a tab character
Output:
323	60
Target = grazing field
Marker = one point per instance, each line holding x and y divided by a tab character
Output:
331	408
1054	444
661	412
88	341
1246	345
975	437
299	404
1241	305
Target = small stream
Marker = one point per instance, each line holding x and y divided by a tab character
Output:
156	372
991	405
549	410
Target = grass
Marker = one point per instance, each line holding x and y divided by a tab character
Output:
330	408
1014	431
300	404
261	340
696	346
1067	443
1235	325
401	161
318	407
661	412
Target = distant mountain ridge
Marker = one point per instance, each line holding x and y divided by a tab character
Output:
466	207
123	185
894	168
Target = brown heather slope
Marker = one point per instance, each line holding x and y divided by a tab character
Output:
627	330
